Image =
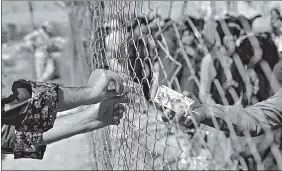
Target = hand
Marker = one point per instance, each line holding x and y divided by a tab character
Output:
206	98
197	114
99	82
107	112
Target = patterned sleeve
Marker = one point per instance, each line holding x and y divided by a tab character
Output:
28	109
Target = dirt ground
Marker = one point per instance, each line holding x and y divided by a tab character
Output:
69	154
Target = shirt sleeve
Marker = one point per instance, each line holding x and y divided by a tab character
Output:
27	109
266	115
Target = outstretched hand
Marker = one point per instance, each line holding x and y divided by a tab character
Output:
99	82
197	114
107	112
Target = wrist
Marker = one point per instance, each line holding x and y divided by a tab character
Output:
93	125
89	120
89	96
67	126
84	124
202	111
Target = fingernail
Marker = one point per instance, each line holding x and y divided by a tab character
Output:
115	118
117	122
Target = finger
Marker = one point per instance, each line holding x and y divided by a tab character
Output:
124	77
117	122
120	99
188	94
179	117
188	122
112	76
118	114
122	108
119	106
115	118
119	111
110	94
165	116
191	96
170	114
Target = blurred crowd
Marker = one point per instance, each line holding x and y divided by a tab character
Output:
227	60
218	51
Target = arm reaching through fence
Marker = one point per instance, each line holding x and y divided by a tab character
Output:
256	119
107	112
29	111
95	90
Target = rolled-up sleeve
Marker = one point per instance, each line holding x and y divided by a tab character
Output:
28	110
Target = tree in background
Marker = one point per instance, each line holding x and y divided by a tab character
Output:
30	7
79	25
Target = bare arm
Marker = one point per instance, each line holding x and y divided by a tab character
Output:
255	119
29	109
72	97
69	125
93	117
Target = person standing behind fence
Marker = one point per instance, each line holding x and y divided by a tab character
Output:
45	66
276	23
252	47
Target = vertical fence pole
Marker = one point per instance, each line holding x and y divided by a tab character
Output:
78	28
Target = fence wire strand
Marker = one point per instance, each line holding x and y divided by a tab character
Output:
147	41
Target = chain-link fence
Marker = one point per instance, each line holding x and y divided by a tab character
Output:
176	44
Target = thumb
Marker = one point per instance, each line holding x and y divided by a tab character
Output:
188	122
179	117
186	93
189	94
120	99
192	96
110	94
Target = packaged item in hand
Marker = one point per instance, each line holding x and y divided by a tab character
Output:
173	100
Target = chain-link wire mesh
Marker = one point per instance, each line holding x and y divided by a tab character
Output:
162	43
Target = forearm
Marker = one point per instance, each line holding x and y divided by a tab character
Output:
255	119
67	126
72	97
242	119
